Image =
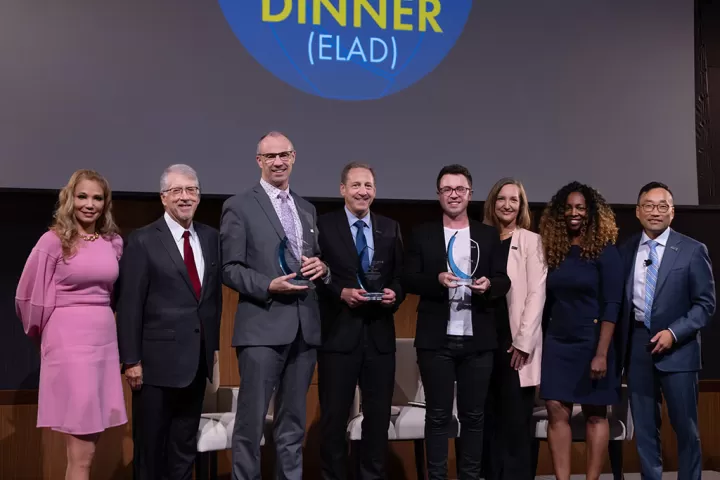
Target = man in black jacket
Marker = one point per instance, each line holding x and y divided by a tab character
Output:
456	333
169	301
364	252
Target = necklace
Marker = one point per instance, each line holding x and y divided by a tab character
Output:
508	234
90	238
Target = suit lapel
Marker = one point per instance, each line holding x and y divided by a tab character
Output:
205	246
438	244
262	198
515	251
671	253
345	234
169	243
306	221
379	239
630	268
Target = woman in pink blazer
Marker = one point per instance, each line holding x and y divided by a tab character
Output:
63	300
516	370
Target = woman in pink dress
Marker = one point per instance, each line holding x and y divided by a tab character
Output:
63	300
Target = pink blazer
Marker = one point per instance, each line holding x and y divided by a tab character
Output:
526	300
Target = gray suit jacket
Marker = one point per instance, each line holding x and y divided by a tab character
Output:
684	299
250	235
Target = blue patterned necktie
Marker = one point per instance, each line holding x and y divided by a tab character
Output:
650	281
361	245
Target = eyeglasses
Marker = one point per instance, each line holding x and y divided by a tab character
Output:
177	191
649	207
284	156
447	191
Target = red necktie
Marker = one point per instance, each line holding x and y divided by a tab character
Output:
190	264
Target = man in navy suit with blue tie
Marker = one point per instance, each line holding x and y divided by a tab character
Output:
669	297
358	333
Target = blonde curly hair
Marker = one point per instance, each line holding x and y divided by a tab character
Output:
64	221
598	230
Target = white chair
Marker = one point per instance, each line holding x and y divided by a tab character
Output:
407	414
216	425
621	429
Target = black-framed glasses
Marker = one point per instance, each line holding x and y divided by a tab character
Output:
661	207
177	191
447	191
284	156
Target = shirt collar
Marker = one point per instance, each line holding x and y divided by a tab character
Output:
177	230
661	240
271	189
353	218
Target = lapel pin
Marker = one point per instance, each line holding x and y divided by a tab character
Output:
513	247
674	248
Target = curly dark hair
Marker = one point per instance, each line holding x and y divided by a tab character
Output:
599	228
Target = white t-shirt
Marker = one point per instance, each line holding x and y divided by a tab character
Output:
460	322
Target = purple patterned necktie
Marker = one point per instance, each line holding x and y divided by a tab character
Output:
288	222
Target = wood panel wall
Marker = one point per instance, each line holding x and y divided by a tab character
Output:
29	453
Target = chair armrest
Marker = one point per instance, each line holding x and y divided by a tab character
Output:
227	399
356	406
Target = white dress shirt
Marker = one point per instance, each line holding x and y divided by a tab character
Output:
643	254
177	231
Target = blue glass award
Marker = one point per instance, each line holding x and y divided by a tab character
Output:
370	280
290	260
461	265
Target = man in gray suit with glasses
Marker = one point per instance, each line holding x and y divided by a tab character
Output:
270	255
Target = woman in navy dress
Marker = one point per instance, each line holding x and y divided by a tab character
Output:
584	289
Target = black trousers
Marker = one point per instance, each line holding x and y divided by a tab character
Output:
338	374
164	427
439	369
508	426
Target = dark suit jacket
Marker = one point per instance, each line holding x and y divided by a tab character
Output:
160	320
426	258
684	299
342	325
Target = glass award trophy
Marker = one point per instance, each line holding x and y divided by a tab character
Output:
290	259
461	266
370	280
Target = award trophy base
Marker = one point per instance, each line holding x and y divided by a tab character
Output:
302	282
373	296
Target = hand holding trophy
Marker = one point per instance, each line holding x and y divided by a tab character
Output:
369	275
290	258
464	274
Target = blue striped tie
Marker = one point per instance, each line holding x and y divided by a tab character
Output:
650	281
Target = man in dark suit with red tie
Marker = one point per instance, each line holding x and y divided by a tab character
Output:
364	252
168	304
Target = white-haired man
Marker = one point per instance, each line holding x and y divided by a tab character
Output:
169	301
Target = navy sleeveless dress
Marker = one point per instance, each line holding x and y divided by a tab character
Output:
581	294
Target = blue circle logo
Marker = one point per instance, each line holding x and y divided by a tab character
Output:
348	49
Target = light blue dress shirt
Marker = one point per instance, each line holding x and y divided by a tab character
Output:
368	230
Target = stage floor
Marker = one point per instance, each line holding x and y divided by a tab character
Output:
706	475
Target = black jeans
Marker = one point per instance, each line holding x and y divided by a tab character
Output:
439	370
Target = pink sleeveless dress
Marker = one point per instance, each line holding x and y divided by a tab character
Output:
66	303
